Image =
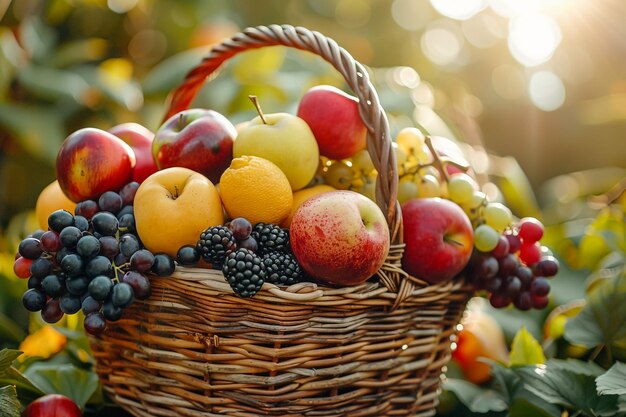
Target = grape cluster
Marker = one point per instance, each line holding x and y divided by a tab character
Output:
91	260
516	270
248	256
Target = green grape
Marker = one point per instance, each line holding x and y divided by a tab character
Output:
473	207
498	216
410	139
401	158
423	155
339	175
485	238
361	161
461	188
407	189
428	186
368	189
430	170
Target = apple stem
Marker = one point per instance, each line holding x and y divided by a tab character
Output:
257	106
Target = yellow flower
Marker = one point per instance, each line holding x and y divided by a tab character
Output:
44	343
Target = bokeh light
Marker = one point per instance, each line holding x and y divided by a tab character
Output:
442	43
546	90
411	15
458	9
533	38
508	81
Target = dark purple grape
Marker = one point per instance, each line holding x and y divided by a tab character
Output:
72	264
498	300
127	223
548	266
120	259
110	201
70	236
540	301
40	267
112	312
128	192
187	255
90	305
100	287
77	285
129	244
86	209
81	223
99	265
502	248
249	243
51	311
53	285
50	241
507	265
30	248
33	300
69	304
122	295
485	266
540	286
514	243
62	253
95	323
105	223
512	286
493	285
125	210
524	301
109	246
163	265
59	220
34	282
525	274
139	282
88	246
240	228
142	261
37	234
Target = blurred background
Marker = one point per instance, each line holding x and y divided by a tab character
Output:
535	88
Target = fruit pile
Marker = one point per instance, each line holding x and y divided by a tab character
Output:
279	199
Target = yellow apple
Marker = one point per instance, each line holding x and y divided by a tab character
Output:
172	208
284	139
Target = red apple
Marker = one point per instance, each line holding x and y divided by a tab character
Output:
140	140
198	139
92	161
52	405
334	118
339	237
438	237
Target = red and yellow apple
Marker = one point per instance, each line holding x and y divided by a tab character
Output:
140	140
439	239
334	118
92	161
198	139
339	237
173	206
52	405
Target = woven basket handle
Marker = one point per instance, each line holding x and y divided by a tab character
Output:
372	114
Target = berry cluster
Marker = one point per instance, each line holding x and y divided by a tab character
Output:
248	256
91	261
516	270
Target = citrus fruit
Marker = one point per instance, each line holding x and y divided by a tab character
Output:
256	189
301	196
51	199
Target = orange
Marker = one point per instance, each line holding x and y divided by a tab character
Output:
255	188
51	199
301	196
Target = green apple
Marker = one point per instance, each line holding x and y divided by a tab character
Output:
284	139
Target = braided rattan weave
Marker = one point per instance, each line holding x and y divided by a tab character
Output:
196	349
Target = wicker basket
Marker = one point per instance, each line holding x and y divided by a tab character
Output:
377	349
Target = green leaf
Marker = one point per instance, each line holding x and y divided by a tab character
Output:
613	381
475	398
525	350
7	357
603	319
9	404
576	366
574	391
170	72
65	379
79	51
53	84
37	129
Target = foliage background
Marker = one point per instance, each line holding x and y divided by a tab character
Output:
67	64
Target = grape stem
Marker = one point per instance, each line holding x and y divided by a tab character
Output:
257	106
441	162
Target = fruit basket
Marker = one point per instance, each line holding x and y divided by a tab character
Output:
194	348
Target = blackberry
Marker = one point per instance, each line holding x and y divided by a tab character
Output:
215	242
270	238
282	268
244	271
